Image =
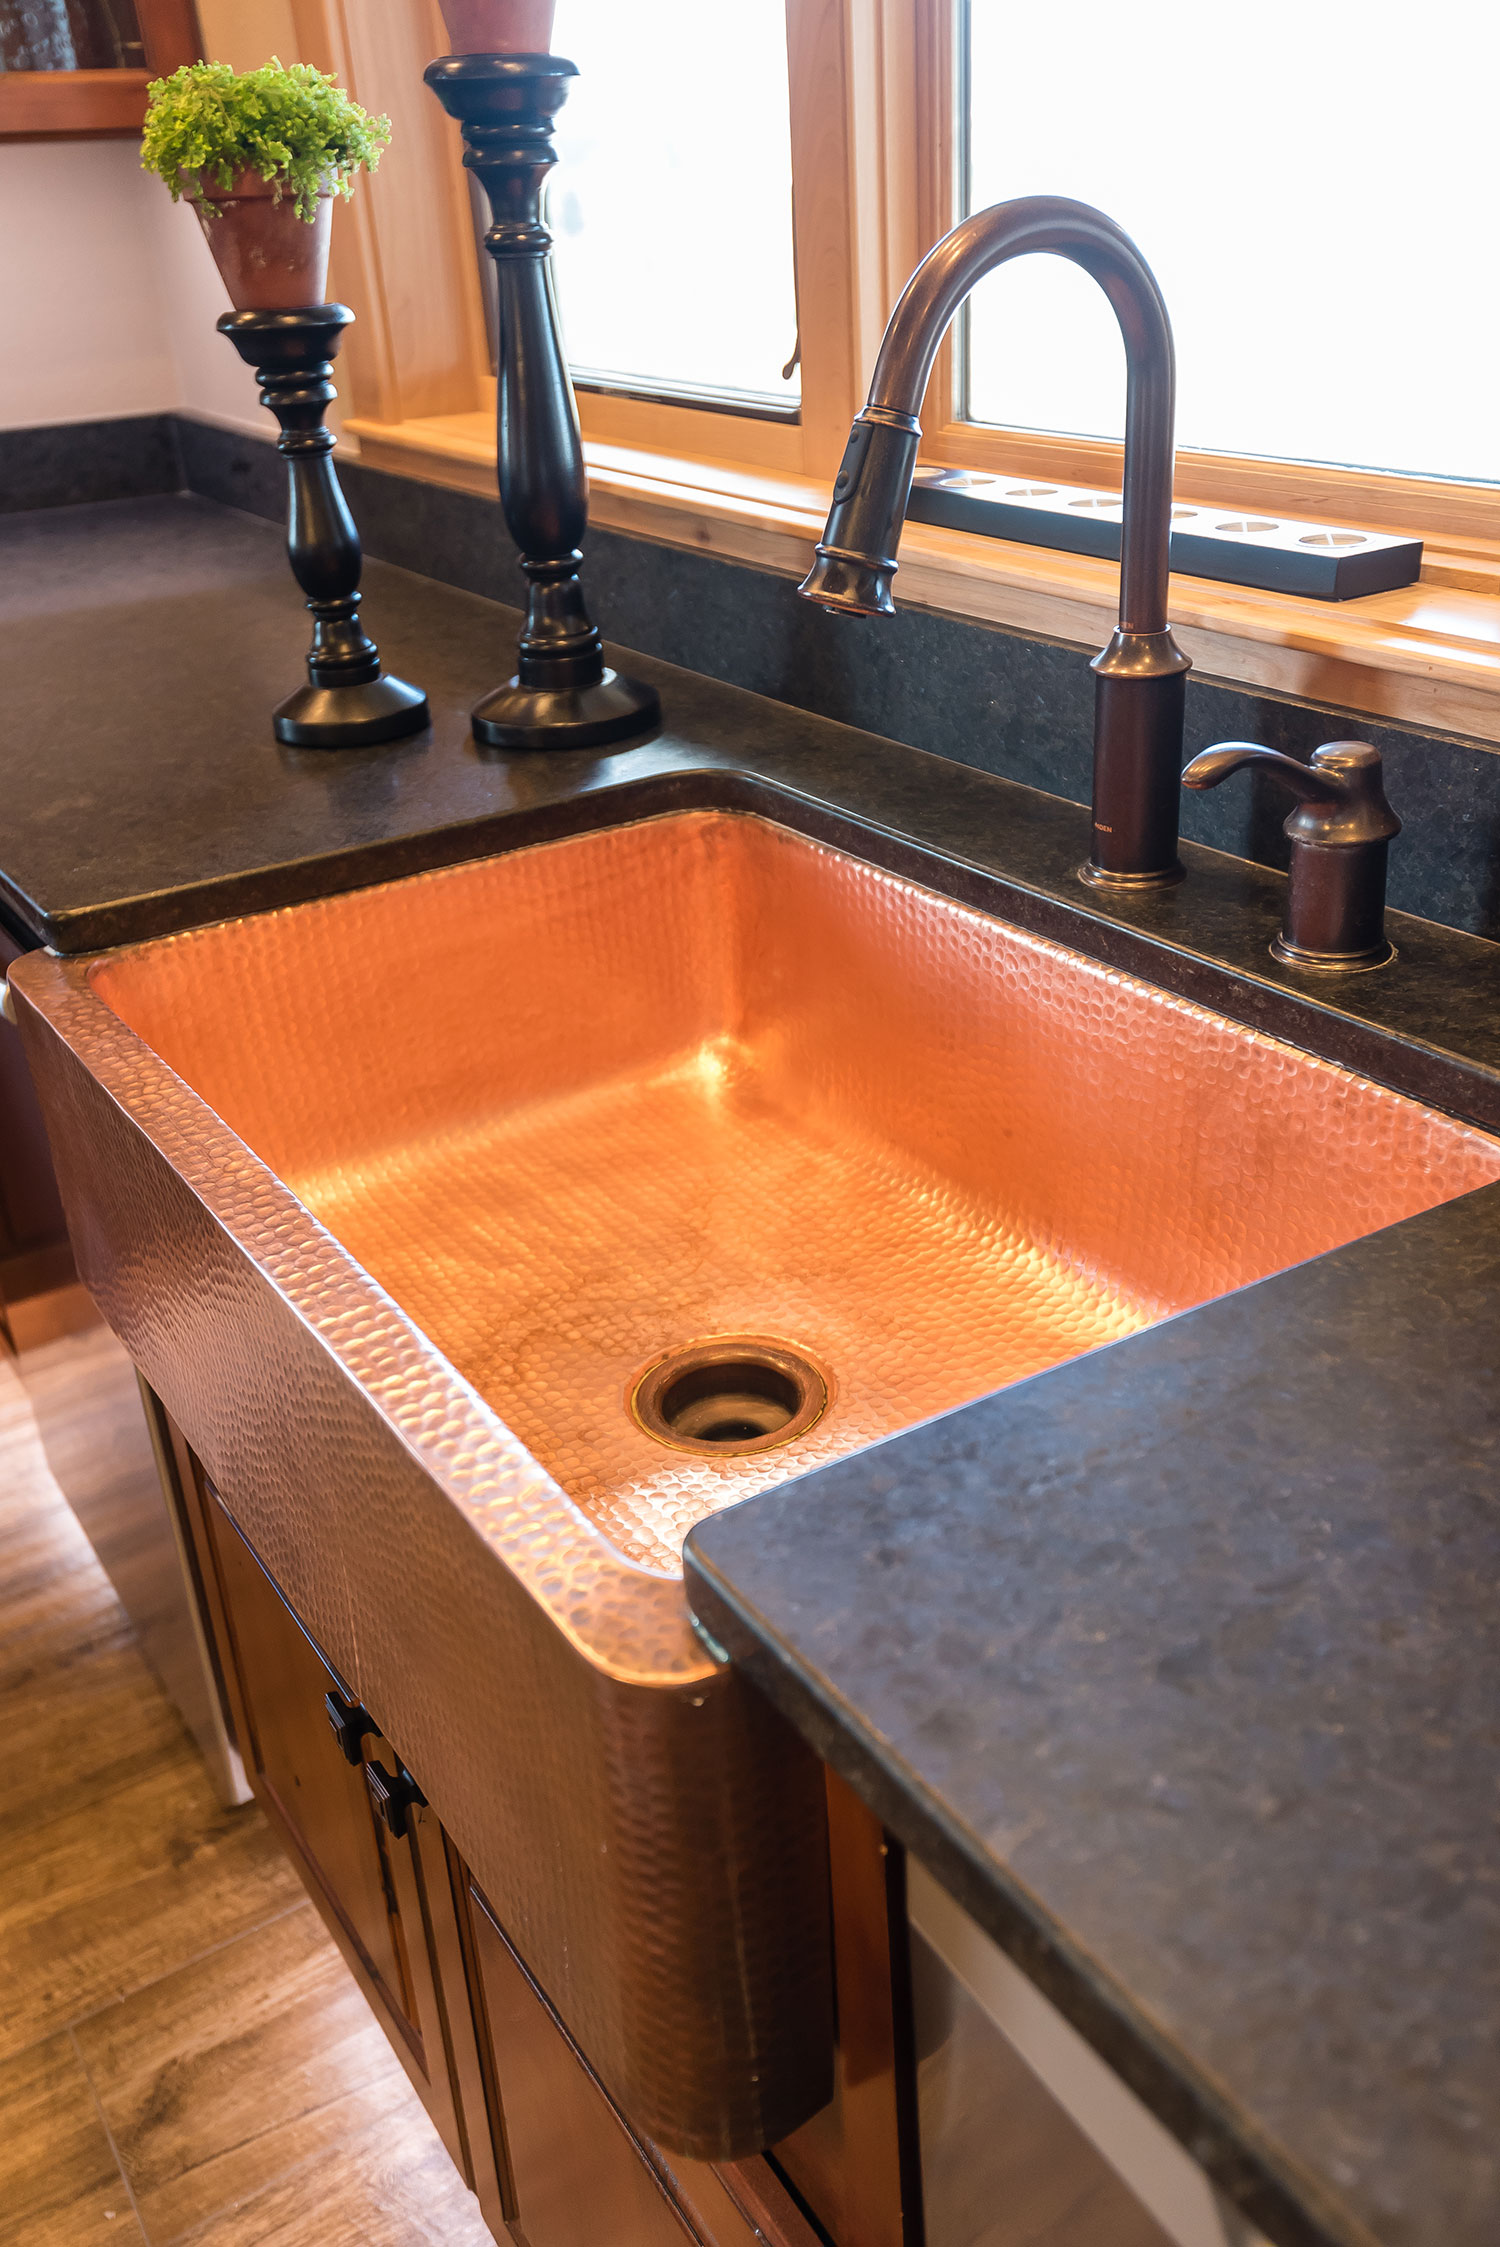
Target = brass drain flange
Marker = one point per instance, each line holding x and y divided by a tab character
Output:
730	1394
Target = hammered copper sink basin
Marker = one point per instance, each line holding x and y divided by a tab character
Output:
395	1196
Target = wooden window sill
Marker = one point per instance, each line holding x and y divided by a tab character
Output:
1428	655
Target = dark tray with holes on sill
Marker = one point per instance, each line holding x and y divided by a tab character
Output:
1322	560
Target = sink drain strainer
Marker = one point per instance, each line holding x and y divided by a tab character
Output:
736	1393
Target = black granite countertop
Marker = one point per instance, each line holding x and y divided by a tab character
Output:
1180	1666
1178	1663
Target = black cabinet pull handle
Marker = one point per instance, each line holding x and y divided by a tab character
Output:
349	1724
393	1794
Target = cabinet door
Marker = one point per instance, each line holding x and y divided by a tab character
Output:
577	2175
356	1825
856	2163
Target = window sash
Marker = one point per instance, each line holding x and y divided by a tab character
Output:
1458	513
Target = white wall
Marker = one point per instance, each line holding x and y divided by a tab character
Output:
108	295
85	318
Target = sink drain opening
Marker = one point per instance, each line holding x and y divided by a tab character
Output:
736	1393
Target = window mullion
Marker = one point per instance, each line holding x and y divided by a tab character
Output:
872	160
858	143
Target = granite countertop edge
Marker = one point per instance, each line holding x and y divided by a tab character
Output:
1290	2205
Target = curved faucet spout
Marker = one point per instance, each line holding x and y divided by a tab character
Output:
1085	236
1139	677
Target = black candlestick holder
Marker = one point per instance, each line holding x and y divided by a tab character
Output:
562	696
348	701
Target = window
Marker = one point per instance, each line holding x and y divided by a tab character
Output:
1307	180
1312	186
671	207
700	213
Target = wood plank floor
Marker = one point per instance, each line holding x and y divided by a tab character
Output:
183	2055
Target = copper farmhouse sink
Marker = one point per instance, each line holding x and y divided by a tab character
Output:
404	1200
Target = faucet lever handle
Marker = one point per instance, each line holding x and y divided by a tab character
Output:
1305	781
1340	791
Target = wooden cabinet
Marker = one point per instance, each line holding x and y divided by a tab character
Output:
550	2157
34	1253
370	1850
857	2163
577	2175
69	72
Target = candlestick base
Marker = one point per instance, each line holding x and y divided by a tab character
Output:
520	717
345	717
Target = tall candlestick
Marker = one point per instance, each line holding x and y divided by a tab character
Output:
348	700
562	695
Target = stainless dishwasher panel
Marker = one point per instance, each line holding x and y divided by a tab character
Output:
105	1445
1028	2139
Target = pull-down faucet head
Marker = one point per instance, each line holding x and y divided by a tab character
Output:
1140	677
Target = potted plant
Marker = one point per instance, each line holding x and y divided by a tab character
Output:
499	27
261	154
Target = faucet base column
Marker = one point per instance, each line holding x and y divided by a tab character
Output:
1140	690
1100	877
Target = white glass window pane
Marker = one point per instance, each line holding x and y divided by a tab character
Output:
671	205
1313	183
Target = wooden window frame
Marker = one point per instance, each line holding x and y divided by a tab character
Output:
99	104
846	72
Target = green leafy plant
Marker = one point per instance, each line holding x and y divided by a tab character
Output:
293	124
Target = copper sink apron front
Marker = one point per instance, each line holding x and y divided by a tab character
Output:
393	1196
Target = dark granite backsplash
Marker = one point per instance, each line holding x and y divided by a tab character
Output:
83	460
1019	707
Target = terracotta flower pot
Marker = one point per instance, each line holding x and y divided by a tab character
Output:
271	259
499	27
